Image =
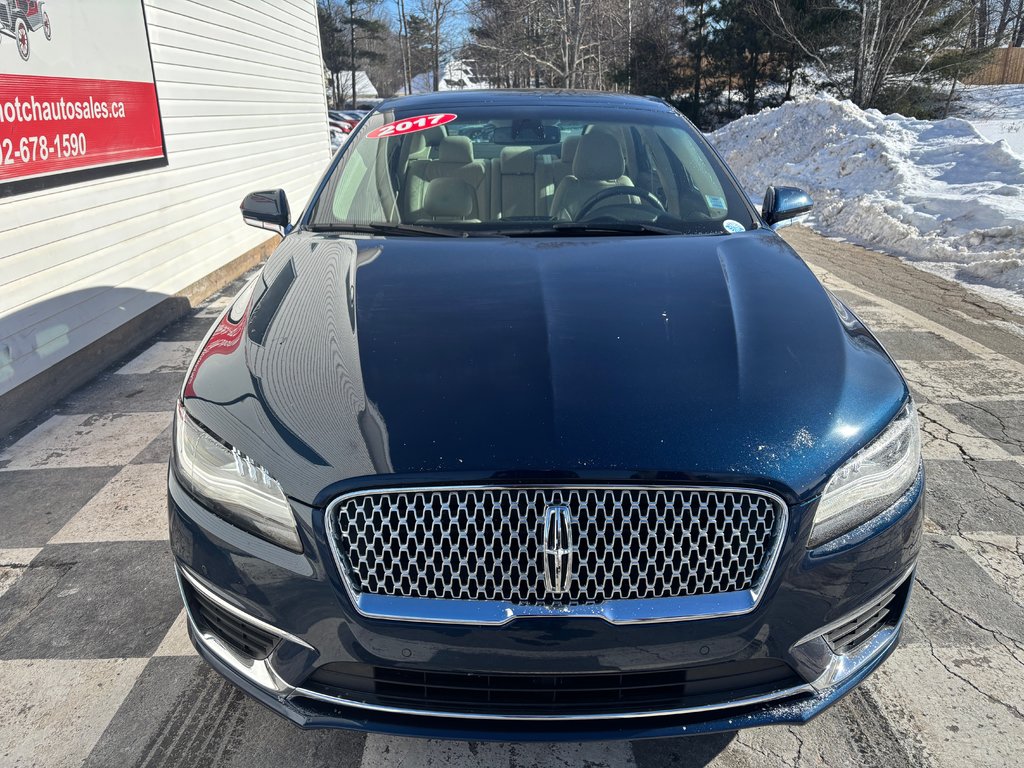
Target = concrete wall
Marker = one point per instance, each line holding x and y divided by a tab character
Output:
240	85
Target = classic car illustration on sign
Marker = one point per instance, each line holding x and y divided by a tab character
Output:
19	17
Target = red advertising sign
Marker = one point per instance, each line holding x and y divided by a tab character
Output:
76	89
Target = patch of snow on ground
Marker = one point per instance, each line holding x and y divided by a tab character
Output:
932	191
997	111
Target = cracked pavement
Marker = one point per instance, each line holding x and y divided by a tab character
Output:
94	655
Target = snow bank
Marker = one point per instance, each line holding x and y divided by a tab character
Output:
934	192
997	111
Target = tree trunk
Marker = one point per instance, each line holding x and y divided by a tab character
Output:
436	45
403	40
352	46
698	62
983	21
751	84
952	91
790	72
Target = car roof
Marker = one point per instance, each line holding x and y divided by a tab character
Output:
532	97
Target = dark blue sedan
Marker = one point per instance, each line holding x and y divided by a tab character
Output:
542	433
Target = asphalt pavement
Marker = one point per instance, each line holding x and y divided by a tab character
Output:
96	669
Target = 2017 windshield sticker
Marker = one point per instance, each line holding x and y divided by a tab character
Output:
733	226
717	203
411	125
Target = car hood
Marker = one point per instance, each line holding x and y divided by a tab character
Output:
667	359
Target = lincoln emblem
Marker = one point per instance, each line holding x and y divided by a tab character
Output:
557	549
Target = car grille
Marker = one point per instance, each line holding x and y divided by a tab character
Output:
539	694
488	543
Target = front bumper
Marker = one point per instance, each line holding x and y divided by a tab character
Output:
296	706
300	600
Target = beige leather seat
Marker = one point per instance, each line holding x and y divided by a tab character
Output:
563	166
551	171
597	165
422	145
447	199
454	161
514	183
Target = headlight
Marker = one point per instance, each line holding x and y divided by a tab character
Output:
872	481
232	485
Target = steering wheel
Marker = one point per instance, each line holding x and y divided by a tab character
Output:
620	190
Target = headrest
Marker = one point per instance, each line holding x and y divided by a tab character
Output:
456	149
417	143
432	136
448	198
569	149
517	160
598	158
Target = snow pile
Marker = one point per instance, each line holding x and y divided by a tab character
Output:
934	192
997	111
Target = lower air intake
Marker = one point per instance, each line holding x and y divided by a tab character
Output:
851	636
234	632
554	694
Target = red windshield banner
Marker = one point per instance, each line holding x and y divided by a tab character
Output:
411	125
76	89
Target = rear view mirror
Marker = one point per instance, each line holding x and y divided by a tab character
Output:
267	210
784	203
526	133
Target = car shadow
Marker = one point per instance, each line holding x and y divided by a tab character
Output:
683	752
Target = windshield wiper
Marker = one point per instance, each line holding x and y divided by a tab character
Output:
389	229
612	227
418	229
594	228
555	228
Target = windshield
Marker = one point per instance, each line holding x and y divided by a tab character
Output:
495	169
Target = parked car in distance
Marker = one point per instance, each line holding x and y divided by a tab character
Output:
565	443
341	124
347	117
338	134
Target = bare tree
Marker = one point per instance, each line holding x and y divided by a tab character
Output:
439	15
560	43
881	31
1008	25
352	33
403	35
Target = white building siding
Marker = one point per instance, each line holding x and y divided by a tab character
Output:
242	103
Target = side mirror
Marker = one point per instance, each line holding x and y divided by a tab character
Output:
267	210
784	203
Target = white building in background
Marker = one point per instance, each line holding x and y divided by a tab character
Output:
456	75
366	91
120	200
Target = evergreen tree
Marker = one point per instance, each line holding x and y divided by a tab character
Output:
421	55
698	90
349	37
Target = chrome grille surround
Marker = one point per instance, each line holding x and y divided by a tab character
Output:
473	554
